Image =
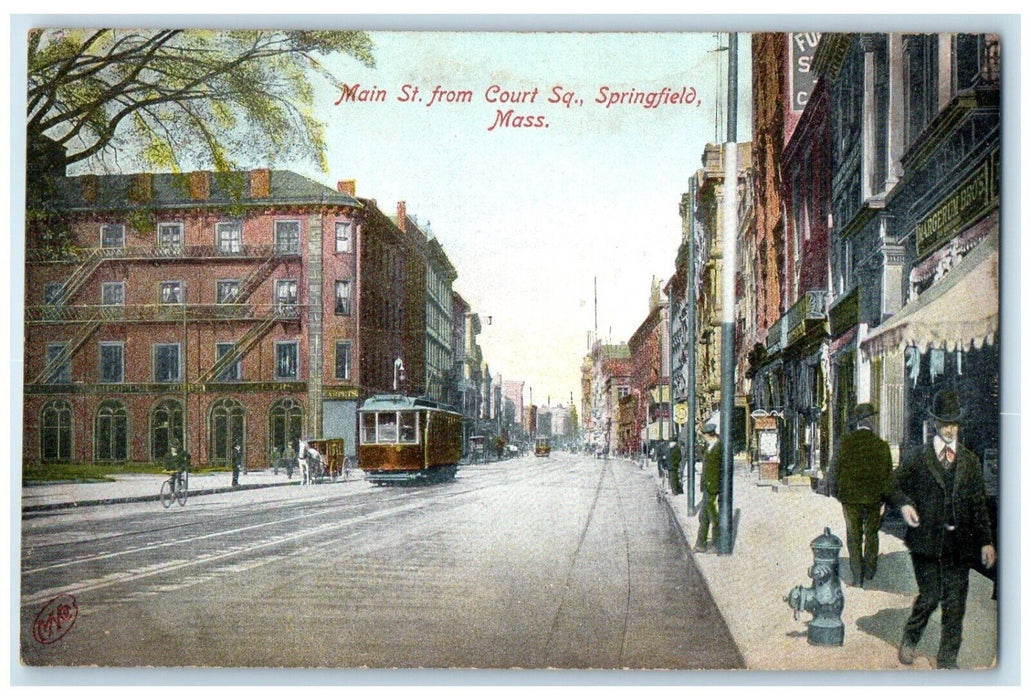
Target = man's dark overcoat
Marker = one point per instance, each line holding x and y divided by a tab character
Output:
712	468
864	468
920	482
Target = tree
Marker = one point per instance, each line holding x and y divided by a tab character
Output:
180	98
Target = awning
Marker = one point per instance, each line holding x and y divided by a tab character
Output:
960	311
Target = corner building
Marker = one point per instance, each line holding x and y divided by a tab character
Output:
216	310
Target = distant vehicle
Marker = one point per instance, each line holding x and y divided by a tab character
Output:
332	460
542	447
408	440
478	448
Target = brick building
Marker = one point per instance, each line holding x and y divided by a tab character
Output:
228	304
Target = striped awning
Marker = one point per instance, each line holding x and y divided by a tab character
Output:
960	311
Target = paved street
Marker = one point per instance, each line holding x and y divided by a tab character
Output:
566	562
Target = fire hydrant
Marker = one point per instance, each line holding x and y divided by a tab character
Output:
824	598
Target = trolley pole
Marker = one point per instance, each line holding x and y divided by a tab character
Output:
728	302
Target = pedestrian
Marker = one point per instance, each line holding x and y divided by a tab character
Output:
290	460
940	490
861	481
660	461
675	458
712	470
237	462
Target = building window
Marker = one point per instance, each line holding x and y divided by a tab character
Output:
55	433
343	237
343	298
112	293
170	235
111	431
166	362
171	293
52	292
288	236
112	236
343	359
226	291
966	53
921	83
285	423
225	429
286	294
229	237
63	374
112	363
233	372
286	360
166	424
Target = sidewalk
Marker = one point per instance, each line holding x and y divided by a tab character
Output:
135	488
771	555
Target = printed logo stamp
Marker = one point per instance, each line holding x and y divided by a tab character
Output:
55	619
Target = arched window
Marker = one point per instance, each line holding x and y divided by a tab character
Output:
285	421
111	432
225	429
166	422
56	432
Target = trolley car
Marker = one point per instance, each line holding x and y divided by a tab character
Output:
408	440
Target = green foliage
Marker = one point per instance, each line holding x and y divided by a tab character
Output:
183	99
171	100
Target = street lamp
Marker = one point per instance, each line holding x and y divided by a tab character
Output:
399	372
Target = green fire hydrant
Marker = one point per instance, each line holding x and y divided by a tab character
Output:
824	599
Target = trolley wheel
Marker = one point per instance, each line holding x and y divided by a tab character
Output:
166	494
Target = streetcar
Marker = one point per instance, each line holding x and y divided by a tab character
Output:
542	447
408	440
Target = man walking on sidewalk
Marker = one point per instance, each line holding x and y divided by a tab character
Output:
941	493
712	469
861	481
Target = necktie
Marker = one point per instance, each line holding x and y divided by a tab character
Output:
947	455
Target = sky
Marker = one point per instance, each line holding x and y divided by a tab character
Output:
530	216
541	161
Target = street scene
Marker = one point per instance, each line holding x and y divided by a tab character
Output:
668	351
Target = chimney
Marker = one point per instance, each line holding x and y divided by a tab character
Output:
261	185
402	216
141	187
89	188
200	185
348	187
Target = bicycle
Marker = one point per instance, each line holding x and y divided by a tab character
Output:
179	493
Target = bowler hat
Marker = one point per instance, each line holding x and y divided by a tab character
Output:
864	410
945	407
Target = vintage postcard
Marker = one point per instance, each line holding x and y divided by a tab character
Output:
624	350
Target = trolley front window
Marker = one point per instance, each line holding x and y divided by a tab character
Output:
386	427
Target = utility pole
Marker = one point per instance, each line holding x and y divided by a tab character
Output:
728	302
692	394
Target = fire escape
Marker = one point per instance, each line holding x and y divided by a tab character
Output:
57	311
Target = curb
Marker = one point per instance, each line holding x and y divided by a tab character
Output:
150	497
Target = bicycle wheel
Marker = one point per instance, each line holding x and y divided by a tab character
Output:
181	492
166	493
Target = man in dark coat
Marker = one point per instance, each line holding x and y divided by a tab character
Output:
675	477
712	470
941	493
862	483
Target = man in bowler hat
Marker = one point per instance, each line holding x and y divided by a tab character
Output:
862	483
712	470
941	493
